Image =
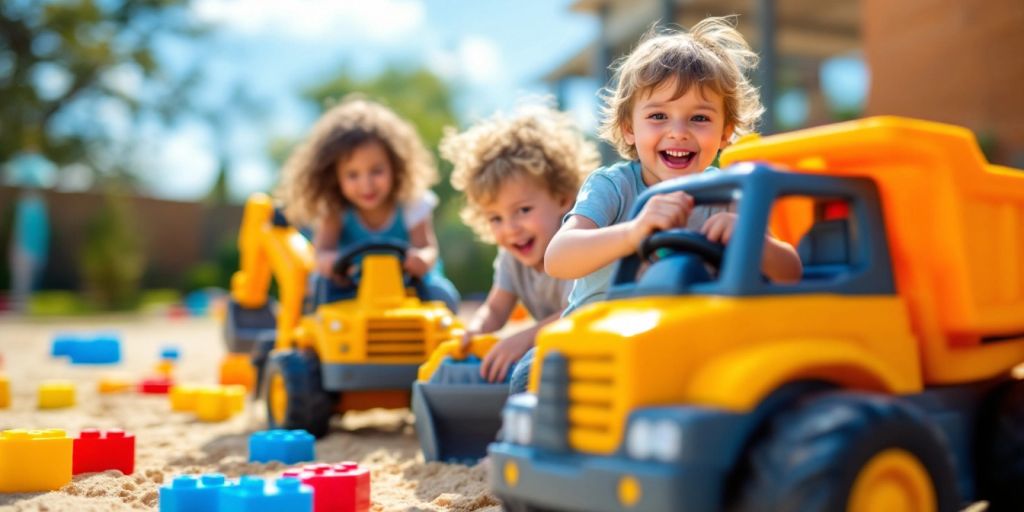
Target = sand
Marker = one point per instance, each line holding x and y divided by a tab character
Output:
172	443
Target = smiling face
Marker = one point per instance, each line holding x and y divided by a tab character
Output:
366	177
522	218
680	136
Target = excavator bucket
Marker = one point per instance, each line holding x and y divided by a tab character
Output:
458	413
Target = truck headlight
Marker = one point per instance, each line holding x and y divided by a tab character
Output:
654	439
517	418
638	439
516	426
666	441
524	431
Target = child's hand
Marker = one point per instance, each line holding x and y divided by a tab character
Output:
497	362
414	263
718	227
663	211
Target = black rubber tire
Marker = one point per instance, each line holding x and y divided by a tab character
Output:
1001	450
811	454
309	407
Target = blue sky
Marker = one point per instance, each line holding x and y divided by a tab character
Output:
493	52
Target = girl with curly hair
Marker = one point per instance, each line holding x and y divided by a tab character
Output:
364	173
520	175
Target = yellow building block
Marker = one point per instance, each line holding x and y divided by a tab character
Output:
212	404
34	460
55	394
183	397
236	397
238	369
114	384
164	368
5	392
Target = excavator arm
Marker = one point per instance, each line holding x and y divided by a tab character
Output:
269	246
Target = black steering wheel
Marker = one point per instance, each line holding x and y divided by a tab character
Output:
683	240
346	267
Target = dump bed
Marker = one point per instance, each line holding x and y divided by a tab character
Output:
955	223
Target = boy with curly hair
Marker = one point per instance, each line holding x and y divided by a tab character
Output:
520	176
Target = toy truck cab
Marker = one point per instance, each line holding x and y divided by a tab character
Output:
351	354
700	385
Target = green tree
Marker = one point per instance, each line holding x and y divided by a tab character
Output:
60	58
426	101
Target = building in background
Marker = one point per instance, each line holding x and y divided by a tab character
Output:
944	60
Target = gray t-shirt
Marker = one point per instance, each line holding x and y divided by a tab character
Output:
607	198
541	294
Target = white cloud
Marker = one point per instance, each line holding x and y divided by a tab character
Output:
475	60
331	20
187	165
480	60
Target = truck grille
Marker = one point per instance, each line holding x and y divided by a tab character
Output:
395	339
591	400
576	404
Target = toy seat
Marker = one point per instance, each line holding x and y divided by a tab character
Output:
825	249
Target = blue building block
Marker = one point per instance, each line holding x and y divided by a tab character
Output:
253	494
287	446
102	348
170	353
99	348
188	493
64	343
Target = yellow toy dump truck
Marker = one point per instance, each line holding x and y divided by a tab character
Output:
350	354
882	380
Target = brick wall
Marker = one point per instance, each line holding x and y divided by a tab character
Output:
175	235
955	61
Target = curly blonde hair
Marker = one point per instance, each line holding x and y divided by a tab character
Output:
712	55
538	142
309	183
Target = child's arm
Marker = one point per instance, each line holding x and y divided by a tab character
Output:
580	247
325	244
422	256
493	313
509	350
780	262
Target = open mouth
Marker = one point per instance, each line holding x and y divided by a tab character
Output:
677	159
524	248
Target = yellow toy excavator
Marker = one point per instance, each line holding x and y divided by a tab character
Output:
317	359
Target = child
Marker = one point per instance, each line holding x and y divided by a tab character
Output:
364	173
520	176
680	97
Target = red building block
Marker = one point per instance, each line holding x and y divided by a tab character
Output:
155	385
342	487
99	451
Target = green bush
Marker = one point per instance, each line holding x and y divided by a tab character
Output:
112	258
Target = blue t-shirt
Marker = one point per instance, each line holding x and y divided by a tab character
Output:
607	198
